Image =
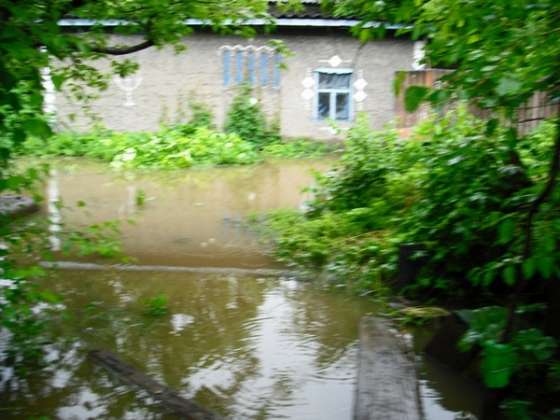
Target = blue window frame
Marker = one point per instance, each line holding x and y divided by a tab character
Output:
251	65
334	93
264	69
277	62
239	67
227	75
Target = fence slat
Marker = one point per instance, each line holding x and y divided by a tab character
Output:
537	109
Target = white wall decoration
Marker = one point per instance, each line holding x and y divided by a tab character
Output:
308	93
49	94
129	84
55	217
335	61
418	55
360	94
49	97
265	49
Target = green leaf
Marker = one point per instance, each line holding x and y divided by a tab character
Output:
37	127
511	136
546	266
414	96
508	274
35	100
529	268
488	276
397	83
485	324
440	96
506	231
548	243
491	126
58	80
518	409
366	34
498	362
508	86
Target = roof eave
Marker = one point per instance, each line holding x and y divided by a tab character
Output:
285	22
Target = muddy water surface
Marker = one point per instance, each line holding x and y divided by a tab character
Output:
243	343
189	218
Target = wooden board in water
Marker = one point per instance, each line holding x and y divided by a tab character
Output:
387	386
182	406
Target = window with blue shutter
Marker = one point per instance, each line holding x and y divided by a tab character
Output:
334	93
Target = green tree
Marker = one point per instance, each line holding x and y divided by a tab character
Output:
500	54
31	38
32	41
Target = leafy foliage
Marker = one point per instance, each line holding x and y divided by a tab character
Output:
168	149
501	54
299	147
456	191
449	188
31	41
173	147
246	118
155	306
346	229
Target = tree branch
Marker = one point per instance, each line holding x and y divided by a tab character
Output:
124	50
528	228
554	170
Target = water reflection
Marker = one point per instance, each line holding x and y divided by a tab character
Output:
189	218
247	347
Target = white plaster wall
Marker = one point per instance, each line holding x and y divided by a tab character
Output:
168	79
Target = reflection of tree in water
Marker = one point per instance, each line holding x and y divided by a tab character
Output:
216	356
330	319
105	312
72	387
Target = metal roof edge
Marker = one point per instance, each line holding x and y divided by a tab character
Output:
293	22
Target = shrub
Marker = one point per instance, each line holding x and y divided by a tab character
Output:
170	148
247	119
454	189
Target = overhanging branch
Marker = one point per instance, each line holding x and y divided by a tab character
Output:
124	50
521	282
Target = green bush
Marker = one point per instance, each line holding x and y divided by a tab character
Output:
170	148
452	187
246	119
299	147
201	116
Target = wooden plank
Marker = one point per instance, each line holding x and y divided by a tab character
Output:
387	387
173	401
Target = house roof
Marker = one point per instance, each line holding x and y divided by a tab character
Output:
310	16
312	10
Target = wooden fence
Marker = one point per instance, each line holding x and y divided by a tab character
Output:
529	115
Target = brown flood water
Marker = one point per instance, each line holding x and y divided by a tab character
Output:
190	218
244	343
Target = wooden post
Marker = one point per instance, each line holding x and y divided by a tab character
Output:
186	408
387	386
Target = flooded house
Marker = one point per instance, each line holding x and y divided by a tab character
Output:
331	76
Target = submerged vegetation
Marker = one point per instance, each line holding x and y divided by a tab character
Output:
479	201
448	187
247	138
173	147
452	191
